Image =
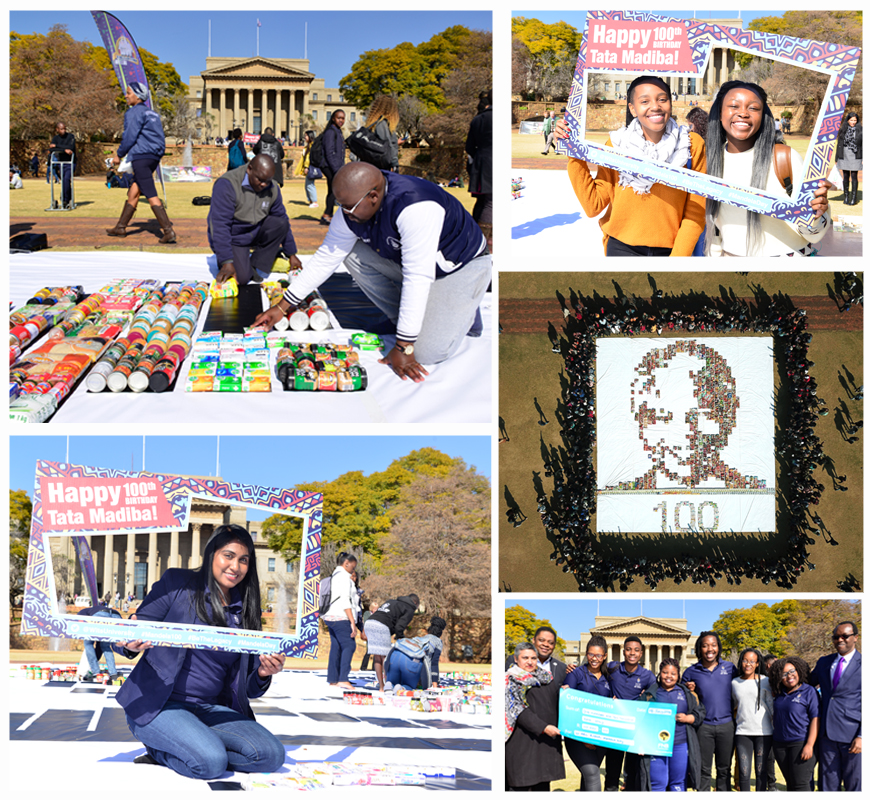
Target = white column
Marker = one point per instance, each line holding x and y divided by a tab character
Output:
236	115
249	122
174	556
153	577
195	548
222	113
279	120
108	563
130	564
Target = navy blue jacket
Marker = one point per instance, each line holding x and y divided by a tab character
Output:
333	147
840	714
460	242
143	134
151	683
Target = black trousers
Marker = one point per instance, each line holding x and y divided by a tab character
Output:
617	248
330	197
613	763
482	211
718	741
265	244
798	774
751	748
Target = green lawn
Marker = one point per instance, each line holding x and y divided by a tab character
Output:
93	199
530	373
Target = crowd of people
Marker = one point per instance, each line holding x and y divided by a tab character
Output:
567	513
764	709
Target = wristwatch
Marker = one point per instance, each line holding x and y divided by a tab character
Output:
407	349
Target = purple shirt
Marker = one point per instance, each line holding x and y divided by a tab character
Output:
584	681
676	696
793	712
203	677
629	685
714	690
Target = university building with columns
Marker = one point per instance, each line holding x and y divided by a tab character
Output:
662	638
258	93
130	563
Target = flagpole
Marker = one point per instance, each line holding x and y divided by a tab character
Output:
258	37
209	38
305	52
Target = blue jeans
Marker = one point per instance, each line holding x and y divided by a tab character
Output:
668	774
94	662
310	190
204	741
450	310
403	671
342	646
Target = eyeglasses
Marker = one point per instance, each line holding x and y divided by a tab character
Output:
836	637
790	672
595	658
350	211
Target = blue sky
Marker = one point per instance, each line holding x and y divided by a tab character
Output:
578	18
280	461
571	618
335	38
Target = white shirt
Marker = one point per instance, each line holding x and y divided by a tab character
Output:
343	589
752	721
778	237
848	658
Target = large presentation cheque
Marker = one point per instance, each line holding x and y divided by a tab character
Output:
628	725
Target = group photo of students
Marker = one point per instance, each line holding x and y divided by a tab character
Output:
746	721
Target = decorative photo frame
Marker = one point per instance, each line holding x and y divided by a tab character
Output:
80	501
629	40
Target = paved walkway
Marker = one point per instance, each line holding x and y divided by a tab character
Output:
88	233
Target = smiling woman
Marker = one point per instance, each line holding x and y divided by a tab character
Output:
644	218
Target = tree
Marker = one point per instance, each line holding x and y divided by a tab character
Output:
788	83
181	121
472	75
544	57
809	624
20	510
520	625
412	118
406	70
52	79
163	79
357	508
438	547
758	627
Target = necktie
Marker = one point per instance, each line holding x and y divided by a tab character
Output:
838	672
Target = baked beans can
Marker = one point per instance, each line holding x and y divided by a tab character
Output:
318	319
353	379
326	381
164	372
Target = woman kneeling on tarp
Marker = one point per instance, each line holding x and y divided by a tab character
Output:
644	218
741	149
671	773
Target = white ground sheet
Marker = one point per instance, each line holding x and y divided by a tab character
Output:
664	405
87	743
458	390
548	223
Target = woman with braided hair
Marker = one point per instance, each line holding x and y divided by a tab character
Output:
795	722
753	710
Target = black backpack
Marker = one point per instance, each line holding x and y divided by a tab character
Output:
315	155
204	200
325	595
367	146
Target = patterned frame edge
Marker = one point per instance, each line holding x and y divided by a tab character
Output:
838	61
40	616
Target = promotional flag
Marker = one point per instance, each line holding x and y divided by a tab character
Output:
122	51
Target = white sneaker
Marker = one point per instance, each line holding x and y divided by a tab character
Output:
313	205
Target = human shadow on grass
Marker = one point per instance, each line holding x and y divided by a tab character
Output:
536	226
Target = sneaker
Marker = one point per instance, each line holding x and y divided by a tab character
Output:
313	205
325	221
145	758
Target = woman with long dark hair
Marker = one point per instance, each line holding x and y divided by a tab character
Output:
795	722
333	159
189	707
237	155
850	154
710	678
741	136
672	773
644	218
753	711
383	119
591	678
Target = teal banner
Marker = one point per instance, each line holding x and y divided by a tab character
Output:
635	727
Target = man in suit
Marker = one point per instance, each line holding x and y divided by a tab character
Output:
538	756
838	677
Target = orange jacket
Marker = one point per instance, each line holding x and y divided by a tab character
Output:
666	217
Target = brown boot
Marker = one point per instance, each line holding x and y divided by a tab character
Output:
120	228
163	219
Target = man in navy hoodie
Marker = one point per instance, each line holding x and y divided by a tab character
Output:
417	255
247	213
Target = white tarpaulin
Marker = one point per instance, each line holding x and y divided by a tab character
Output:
457	390
685	434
